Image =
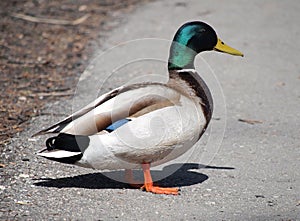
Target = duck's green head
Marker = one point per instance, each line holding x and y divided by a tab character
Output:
193	38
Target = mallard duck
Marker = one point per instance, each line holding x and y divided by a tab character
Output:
143	124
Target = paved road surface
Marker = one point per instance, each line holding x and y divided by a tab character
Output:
252	175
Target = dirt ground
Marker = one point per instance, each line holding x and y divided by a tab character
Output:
44	46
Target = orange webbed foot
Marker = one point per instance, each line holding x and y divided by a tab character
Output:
148	183
160	190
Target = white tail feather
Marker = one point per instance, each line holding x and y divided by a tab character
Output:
58	154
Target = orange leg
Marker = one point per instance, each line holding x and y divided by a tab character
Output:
130	179
148	183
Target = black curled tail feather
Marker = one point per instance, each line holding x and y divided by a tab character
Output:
68	142
50	143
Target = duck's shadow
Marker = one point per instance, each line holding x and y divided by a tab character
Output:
175	175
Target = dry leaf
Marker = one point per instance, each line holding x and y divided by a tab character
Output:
22	203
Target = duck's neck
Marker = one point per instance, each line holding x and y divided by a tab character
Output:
181	57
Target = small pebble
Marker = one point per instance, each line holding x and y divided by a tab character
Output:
22	175
22	98
32	139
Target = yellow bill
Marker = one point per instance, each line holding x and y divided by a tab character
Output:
222	47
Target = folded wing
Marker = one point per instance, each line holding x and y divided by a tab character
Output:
123	102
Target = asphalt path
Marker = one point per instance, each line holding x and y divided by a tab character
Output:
247	165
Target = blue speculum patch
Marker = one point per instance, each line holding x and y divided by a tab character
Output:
116	125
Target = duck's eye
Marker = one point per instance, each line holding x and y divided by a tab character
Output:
222	42
202	30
